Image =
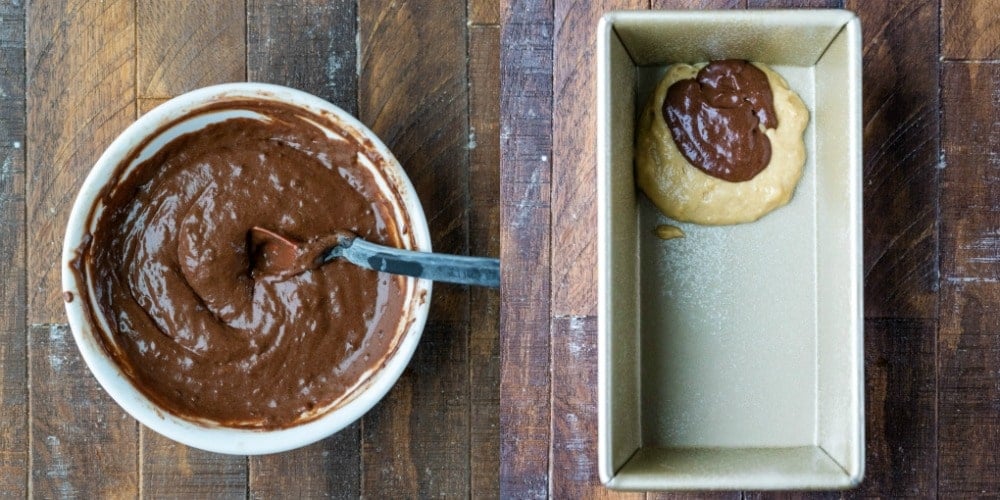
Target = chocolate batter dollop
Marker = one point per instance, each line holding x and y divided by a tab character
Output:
171	271
715	119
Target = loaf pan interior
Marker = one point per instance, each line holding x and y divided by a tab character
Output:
732	358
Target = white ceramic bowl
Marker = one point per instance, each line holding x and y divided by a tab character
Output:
208	436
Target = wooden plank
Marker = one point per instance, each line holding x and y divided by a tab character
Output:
574	410
525	190
900	157
969	348
145	105
80	95
413	92
900	401
329	468
791	495
969	432
698	4
574	169
173	470
13	348
795	4
573	342
12	77
484	239
177	52
186	45
13	334
484	12
699	495
901	162
573	301
970	29
82	444
311	46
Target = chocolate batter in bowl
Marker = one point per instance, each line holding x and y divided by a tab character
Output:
161	297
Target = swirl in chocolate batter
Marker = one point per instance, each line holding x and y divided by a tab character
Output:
171	272
715	119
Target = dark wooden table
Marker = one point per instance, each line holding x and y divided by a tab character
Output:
74	73
931	249
426	76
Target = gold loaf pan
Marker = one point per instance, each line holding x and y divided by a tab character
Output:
732	358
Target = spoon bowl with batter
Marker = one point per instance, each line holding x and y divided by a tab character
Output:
273	255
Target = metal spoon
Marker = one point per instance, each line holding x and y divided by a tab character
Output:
274	255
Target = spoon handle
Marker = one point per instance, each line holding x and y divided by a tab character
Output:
479	271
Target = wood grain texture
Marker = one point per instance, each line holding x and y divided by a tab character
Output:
80	95
574	168
13	347
82	444
969	347
901	162
574	408
698	495
790	4
13	333
12	78
330	468
969	434
698	4
573	303
901	157
970	29
790	495
177	51
574	411
525	190
173	470
311	46
413	92
900	401
145	105
186	45
484	239
484	12
308	45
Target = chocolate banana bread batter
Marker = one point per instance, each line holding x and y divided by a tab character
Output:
190	322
